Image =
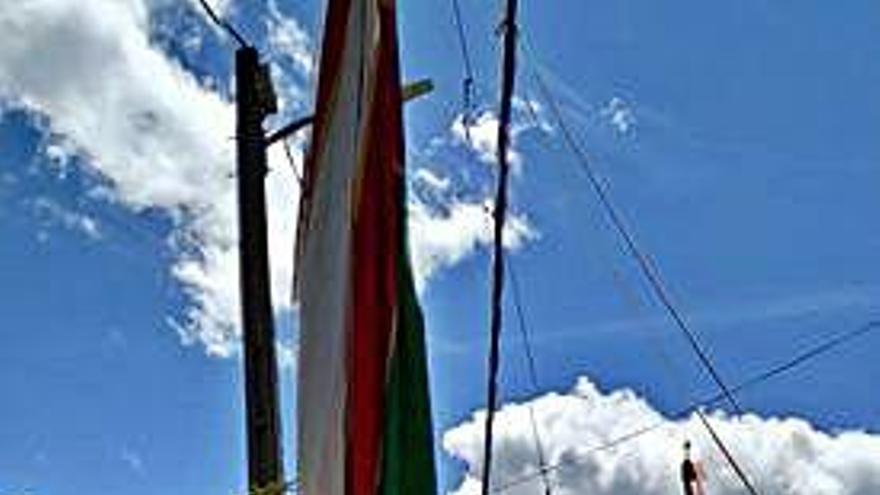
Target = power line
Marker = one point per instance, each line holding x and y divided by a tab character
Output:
752	382
808	355
500	214
649	272
676	375
223	24
533	374
632	248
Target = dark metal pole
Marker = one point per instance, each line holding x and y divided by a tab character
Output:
508	77
254	101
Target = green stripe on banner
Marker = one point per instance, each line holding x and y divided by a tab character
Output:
408	457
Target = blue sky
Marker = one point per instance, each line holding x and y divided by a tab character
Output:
739	140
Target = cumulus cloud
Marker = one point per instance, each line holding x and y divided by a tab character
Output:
619	115
450	218
479	133
442	238
50	214
782	455
432	179
153	133
288	39
446	227
133	460
531	114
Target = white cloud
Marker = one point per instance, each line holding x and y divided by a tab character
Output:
479	133
442	237
619	115
158	137
782	455
288	38
220	7
531	115
287	352
445	228
49	214
432	179
133	460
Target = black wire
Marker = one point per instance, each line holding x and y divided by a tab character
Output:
533	373
649	272
801	358
462	40
224	24
789	365
632	249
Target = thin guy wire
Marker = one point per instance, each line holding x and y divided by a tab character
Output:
634	303
632	248
651	276
533	374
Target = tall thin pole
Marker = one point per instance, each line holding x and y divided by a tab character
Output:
500	214
254	102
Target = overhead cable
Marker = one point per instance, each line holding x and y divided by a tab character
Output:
223	24
649	272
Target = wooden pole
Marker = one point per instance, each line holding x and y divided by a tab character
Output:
254	102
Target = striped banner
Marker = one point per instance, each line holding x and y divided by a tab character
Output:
364	422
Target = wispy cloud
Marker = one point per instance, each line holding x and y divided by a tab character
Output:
133	460
50	214
288	39
729	314
619	115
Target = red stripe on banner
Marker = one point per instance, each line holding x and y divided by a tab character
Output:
375	244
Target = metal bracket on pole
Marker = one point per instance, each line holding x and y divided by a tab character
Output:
410	92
